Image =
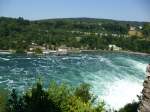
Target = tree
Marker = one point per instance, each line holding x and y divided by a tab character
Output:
57	98
38	101
146	30
83	92
15	103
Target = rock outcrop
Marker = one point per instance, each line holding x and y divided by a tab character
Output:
145	99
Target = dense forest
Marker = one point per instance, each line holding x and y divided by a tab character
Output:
83	33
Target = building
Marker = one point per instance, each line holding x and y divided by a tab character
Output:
132	28
33	47
114	48
134	32
62	50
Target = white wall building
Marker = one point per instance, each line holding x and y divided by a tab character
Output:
114	48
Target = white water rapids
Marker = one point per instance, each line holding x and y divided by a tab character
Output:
115	78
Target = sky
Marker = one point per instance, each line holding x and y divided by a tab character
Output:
129	10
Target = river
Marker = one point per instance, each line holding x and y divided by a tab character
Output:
115	78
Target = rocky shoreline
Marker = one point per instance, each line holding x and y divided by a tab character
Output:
145	99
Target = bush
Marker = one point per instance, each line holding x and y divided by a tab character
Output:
38	51
83	92
15	103
3	99
131	107
75	104
20	51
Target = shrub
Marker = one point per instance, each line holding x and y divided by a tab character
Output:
83	92
38	51
75	104
15	103
3	99
100	107
131	107
20	51
59	94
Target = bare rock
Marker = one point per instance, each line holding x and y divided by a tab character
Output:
145	101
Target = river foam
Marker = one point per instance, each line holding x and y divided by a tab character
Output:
122	92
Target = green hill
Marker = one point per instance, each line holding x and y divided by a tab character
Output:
85	33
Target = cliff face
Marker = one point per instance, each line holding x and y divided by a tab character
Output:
145	101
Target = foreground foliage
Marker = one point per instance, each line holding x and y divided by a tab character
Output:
3	99
131	107
57	98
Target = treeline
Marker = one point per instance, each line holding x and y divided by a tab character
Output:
19	34
56	98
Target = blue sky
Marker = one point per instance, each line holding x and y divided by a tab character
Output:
134	10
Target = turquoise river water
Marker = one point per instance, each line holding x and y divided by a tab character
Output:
115	78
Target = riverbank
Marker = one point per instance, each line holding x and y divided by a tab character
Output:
138	53
6	52
72	51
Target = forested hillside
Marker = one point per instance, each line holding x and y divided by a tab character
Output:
82	33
